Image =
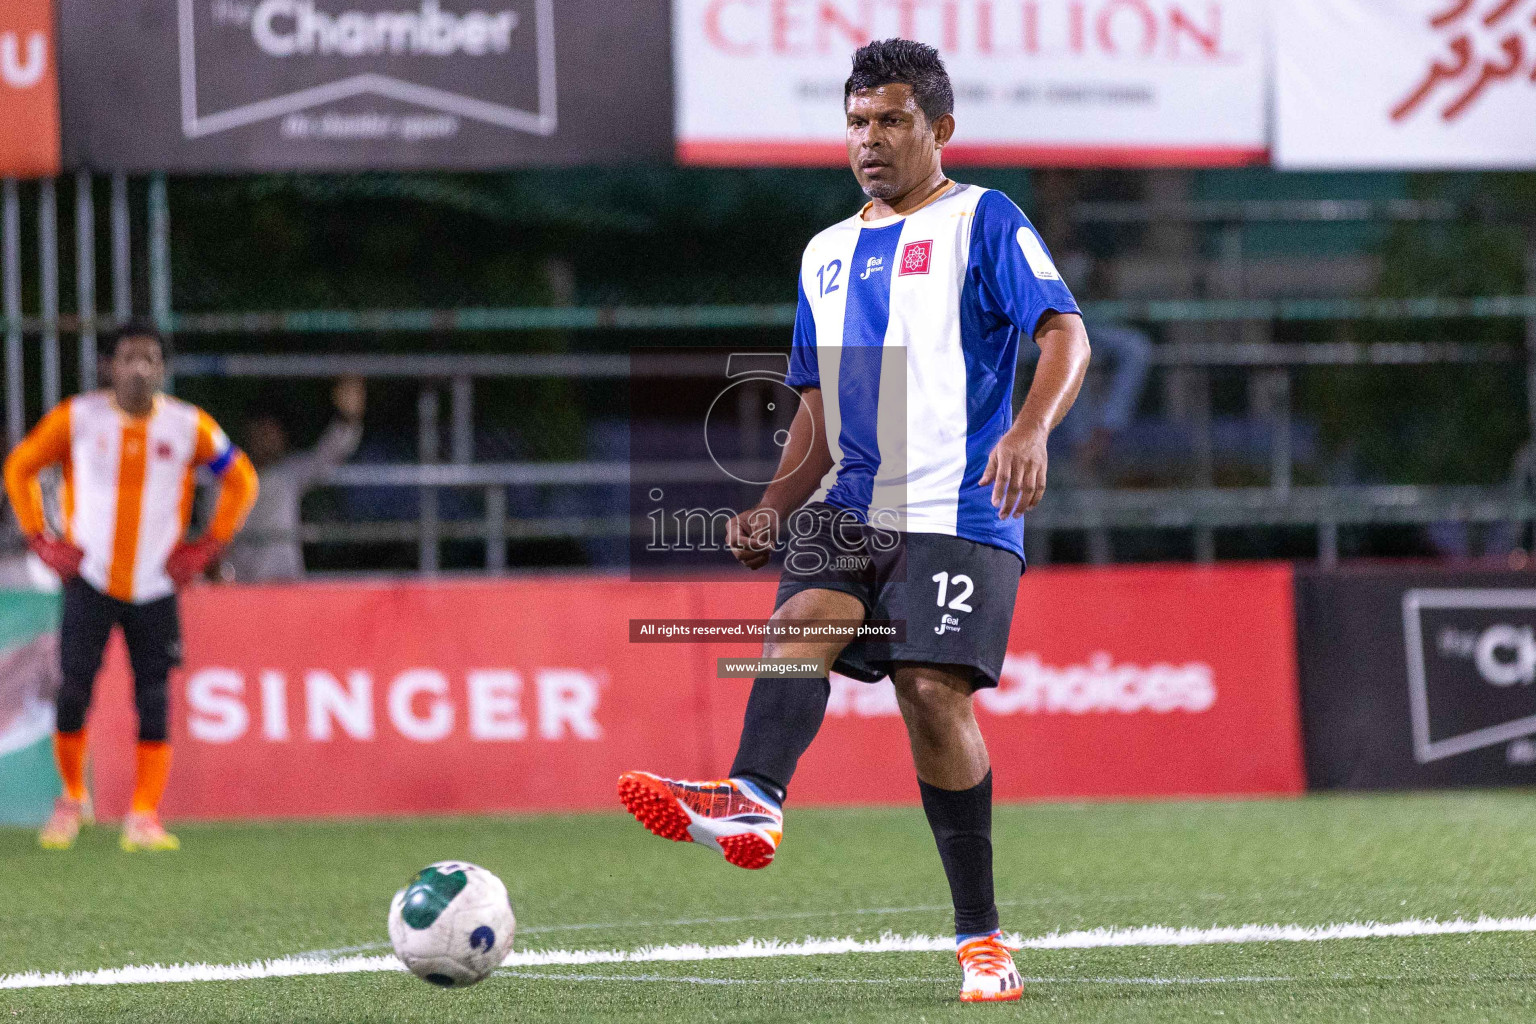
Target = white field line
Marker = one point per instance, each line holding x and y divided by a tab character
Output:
541	929
751	949
688	979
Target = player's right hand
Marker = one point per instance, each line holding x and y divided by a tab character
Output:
59	555
750	537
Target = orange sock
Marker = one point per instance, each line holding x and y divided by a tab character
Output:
154	768
69	753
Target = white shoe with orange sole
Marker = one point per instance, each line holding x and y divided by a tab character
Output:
726	815
990	975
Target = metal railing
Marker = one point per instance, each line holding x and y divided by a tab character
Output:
1094	511
1200	508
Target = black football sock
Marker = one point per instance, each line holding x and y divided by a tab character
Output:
962	827
783	716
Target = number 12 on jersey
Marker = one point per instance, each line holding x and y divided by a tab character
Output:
826	277
960	603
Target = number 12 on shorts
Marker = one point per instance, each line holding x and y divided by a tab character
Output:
963	586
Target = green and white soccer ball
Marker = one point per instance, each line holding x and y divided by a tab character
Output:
452	924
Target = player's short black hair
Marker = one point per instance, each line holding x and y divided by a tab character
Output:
904	62
136	329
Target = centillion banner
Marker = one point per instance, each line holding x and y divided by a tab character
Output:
1063	82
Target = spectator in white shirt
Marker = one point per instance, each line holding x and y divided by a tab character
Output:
269	549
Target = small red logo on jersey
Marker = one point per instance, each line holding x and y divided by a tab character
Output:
915	257
163	450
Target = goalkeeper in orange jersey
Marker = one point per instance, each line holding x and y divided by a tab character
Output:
129	455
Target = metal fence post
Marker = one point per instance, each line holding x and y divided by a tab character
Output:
1100	550
427	449
10	256
1037	545
48	269
462	410
159	253
85	277
1280	453
1530	340
160	261
1205	456
461	432
495	529
122	253
1328	544
1530	326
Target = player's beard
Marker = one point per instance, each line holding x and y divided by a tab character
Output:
881	190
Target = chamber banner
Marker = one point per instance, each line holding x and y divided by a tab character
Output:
253	85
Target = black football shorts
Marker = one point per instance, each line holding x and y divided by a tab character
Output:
955	595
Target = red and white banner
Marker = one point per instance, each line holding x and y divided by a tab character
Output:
377	699
1405	83
1065	82
29	90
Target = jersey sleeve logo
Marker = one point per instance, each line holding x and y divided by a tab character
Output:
1034	252
915	257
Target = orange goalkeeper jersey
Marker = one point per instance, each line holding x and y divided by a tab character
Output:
128	486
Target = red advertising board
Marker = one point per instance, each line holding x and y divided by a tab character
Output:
374	699
29	90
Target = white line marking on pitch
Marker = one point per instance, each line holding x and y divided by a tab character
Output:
751	949
541	929
687	979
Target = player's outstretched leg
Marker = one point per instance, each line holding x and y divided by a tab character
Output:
731	816
742	816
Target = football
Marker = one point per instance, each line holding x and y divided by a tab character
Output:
452	924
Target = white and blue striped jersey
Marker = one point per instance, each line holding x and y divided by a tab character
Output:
947	291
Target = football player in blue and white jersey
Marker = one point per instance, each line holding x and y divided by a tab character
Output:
902	486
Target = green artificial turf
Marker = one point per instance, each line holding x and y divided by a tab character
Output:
253	890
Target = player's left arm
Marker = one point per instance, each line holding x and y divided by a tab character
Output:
1017	282
1016	469
238	487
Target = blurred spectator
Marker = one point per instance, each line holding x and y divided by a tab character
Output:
1459	541
1122	356
269	548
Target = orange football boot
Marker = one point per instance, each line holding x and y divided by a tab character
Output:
726	815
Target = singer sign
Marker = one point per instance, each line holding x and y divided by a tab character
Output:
29	91
1128	82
